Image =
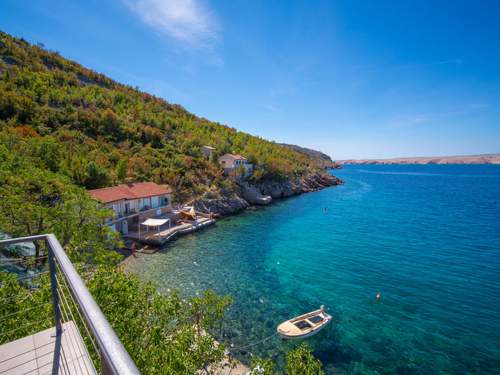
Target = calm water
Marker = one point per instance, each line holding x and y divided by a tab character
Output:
426	237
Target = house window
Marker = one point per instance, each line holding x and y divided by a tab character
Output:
155	202
163	201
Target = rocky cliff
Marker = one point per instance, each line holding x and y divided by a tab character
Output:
228	202
224	203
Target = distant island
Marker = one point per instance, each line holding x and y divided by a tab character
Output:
467	159
319	157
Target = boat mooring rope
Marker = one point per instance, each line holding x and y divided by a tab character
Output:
255	343
276	333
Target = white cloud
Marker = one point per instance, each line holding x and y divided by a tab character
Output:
187	21
426	118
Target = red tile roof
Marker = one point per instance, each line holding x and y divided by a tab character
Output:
129	191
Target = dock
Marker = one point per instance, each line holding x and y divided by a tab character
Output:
159	238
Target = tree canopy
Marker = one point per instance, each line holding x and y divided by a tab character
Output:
99	132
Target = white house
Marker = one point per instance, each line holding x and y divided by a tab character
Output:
233	164
134	202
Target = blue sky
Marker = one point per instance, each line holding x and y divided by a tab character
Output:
355	79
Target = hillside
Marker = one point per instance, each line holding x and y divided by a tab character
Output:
468	159
65	129
97	132
319	157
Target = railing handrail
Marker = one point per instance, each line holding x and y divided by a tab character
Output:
116	357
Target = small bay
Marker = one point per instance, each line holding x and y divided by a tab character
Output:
427	237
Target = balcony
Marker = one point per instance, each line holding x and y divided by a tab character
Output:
76	339
138	211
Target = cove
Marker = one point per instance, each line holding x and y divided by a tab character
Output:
427	237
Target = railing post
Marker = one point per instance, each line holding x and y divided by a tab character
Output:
105	367
55	293
57	310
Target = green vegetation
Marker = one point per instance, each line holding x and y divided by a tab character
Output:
98	132
63	129
36	201
163	334
299	361
16	298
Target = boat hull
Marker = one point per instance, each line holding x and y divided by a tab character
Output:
304	326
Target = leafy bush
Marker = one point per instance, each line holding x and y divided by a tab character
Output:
299	361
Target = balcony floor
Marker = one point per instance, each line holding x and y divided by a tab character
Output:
34	354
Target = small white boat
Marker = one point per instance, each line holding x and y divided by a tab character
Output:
305	325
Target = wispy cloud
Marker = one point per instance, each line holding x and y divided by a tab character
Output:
375	68
189	22
404	121
456	61
467	109
269	107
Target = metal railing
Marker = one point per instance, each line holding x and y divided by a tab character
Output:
73	304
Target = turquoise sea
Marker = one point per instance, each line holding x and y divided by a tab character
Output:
426	237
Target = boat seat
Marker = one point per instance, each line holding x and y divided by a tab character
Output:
303	325
316	319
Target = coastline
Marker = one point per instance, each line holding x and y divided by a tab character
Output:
230	203
234	203
227	203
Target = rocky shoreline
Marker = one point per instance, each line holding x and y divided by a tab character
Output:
225	203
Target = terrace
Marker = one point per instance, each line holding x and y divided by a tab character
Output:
77	338
158	231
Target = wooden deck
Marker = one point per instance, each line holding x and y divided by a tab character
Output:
34	354
158	238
